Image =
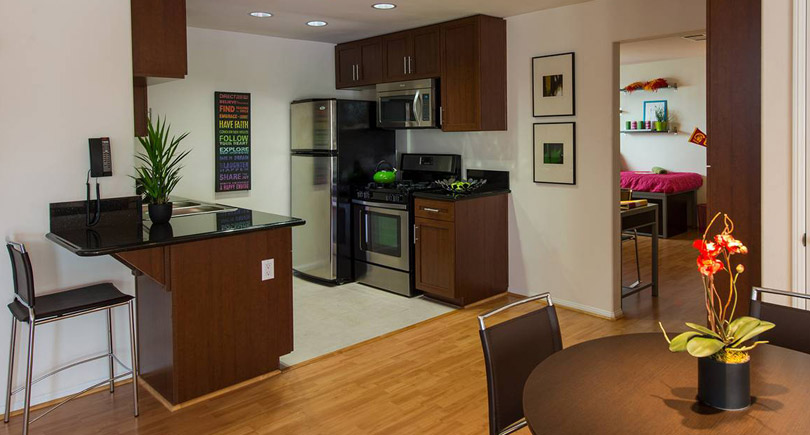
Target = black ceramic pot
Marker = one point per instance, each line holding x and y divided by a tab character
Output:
160	213
160	232
724	386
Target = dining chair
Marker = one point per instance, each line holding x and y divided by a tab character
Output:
39	310
512	349
627	195
792	324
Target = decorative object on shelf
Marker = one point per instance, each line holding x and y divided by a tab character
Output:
555	153
385	177
461	186
698	137
553	85
722	348
628	125
232	141
660	119
160	168
650	86
634	126
651	108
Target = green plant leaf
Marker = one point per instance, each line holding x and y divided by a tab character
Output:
704	330
159	161
704	346
744	323
678	344
758	329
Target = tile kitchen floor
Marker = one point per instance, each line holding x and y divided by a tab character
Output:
328	318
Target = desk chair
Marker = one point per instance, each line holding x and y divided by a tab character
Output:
512	349
627	195
39	310
792	324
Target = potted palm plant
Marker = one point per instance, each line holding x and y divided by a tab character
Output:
722	346
159	170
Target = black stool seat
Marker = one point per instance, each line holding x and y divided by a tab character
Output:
71	301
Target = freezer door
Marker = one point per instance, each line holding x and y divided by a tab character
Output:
313	198
313	126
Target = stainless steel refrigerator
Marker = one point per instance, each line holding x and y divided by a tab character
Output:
335	147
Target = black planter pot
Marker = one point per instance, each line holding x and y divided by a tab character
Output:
160	232
160	213
724	386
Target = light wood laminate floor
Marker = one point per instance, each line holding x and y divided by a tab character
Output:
426	379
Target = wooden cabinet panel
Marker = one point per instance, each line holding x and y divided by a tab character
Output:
358	63
431	209
347	58
159	38
426	59
371	62
461	99
435	257
396	50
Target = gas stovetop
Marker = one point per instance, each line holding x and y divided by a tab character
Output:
398	192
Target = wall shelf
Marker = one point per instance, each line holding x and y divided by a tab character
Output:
648	131
673	86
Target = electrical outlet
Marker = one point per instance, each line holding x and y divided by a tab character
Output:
268	269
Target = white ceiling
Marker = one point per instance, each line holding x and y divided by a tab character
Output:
348	19
653	50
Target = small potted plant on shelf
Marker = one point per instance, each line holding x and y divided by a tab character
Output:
159	171
660	119
722	346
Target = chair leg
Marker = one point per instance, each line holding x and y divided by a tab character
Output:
134	355
29	371
10	367
638	264
110	349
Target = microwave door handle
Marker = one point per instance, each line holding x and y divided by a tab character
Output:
417	108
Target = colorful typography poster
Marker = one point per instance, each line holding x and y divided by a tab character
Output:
232	141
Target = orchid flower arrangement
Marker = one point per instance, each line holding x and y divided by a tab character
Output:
725	337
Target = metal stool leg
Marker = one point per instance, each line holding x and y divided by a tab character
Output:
10	367
28	374
134	355
110	349
638	264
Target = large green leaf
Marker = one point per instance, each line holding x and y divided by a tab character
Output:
678	344
703	346
758	329
704	330
742	324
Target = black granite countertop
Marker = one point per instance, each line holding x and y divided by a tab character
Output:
122	227
443	195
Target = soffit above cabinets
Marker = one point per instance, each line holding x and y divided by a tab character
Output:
347	19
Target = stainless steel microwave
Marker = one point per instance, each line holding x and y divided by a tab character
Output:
409	104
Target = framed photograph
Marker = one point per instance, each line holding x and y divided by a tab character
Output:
553	85
651	107
555	153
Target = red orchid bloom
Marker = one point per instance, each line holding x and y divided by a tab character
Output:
732	245
709	265
708	249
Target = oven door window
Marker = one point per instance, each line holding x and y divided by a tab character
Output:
382	233
397	109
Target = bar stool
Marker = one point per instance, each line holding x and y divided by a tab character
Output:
39	310
627	195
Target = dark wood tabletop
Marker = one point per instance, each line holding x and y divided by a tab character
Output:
633	384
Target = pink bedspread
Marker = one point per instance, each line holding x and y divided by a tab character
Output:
673	182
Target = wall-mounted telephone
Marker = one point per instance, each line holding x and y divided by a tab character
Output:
100	166
100	158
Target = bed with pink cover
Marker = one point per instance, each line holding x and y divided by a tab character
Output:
674	192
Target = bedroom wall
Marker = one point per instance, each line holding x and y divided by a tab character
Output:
687	110
564	239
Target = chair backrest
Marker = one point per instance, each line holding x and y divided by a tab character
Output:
22	273
625	194
792	324
512	349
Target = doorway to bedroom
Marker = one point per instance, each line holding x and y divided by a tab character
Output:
662	161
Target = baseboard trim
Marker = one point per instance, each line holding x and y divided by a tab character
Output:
172	408
589	310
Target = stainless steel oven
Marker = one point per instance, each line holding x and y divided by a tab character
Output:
409	104
382	248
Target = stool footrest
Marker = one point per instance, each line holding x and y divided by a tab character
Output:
75	395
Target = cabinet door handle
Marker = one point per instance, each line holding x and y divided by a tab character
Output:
410	69
415	236
404	64
441	116
358	71
432	210
354	77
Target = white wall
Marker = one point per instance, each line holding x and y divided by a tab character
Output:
275	71
777	158
687	110
564	239
66	76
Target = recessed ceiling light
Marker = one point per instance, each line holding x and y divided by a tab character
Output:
383	6
259	14
316	23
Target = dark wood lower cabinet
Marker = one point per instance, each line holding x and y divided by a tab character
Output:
206	320
462	248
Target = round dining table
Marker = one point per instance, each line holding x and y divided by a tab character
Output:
633	384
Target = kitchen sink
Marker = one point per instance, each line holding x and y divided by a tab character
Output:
199	209
183	204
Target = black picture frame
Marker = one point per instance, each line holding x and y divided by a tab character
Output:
218	157
573	125
573	85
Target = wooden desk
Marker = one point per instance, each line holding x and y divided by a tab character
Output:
635	219
632	384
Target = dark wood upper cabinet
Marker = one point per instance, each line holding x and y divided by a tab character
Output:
473	53
358	63
159	38
396	50
412	54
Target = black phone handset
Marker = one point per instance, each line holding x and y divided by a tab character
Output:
100	166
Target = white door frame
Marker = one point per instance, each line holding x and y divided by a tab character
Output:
800	151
